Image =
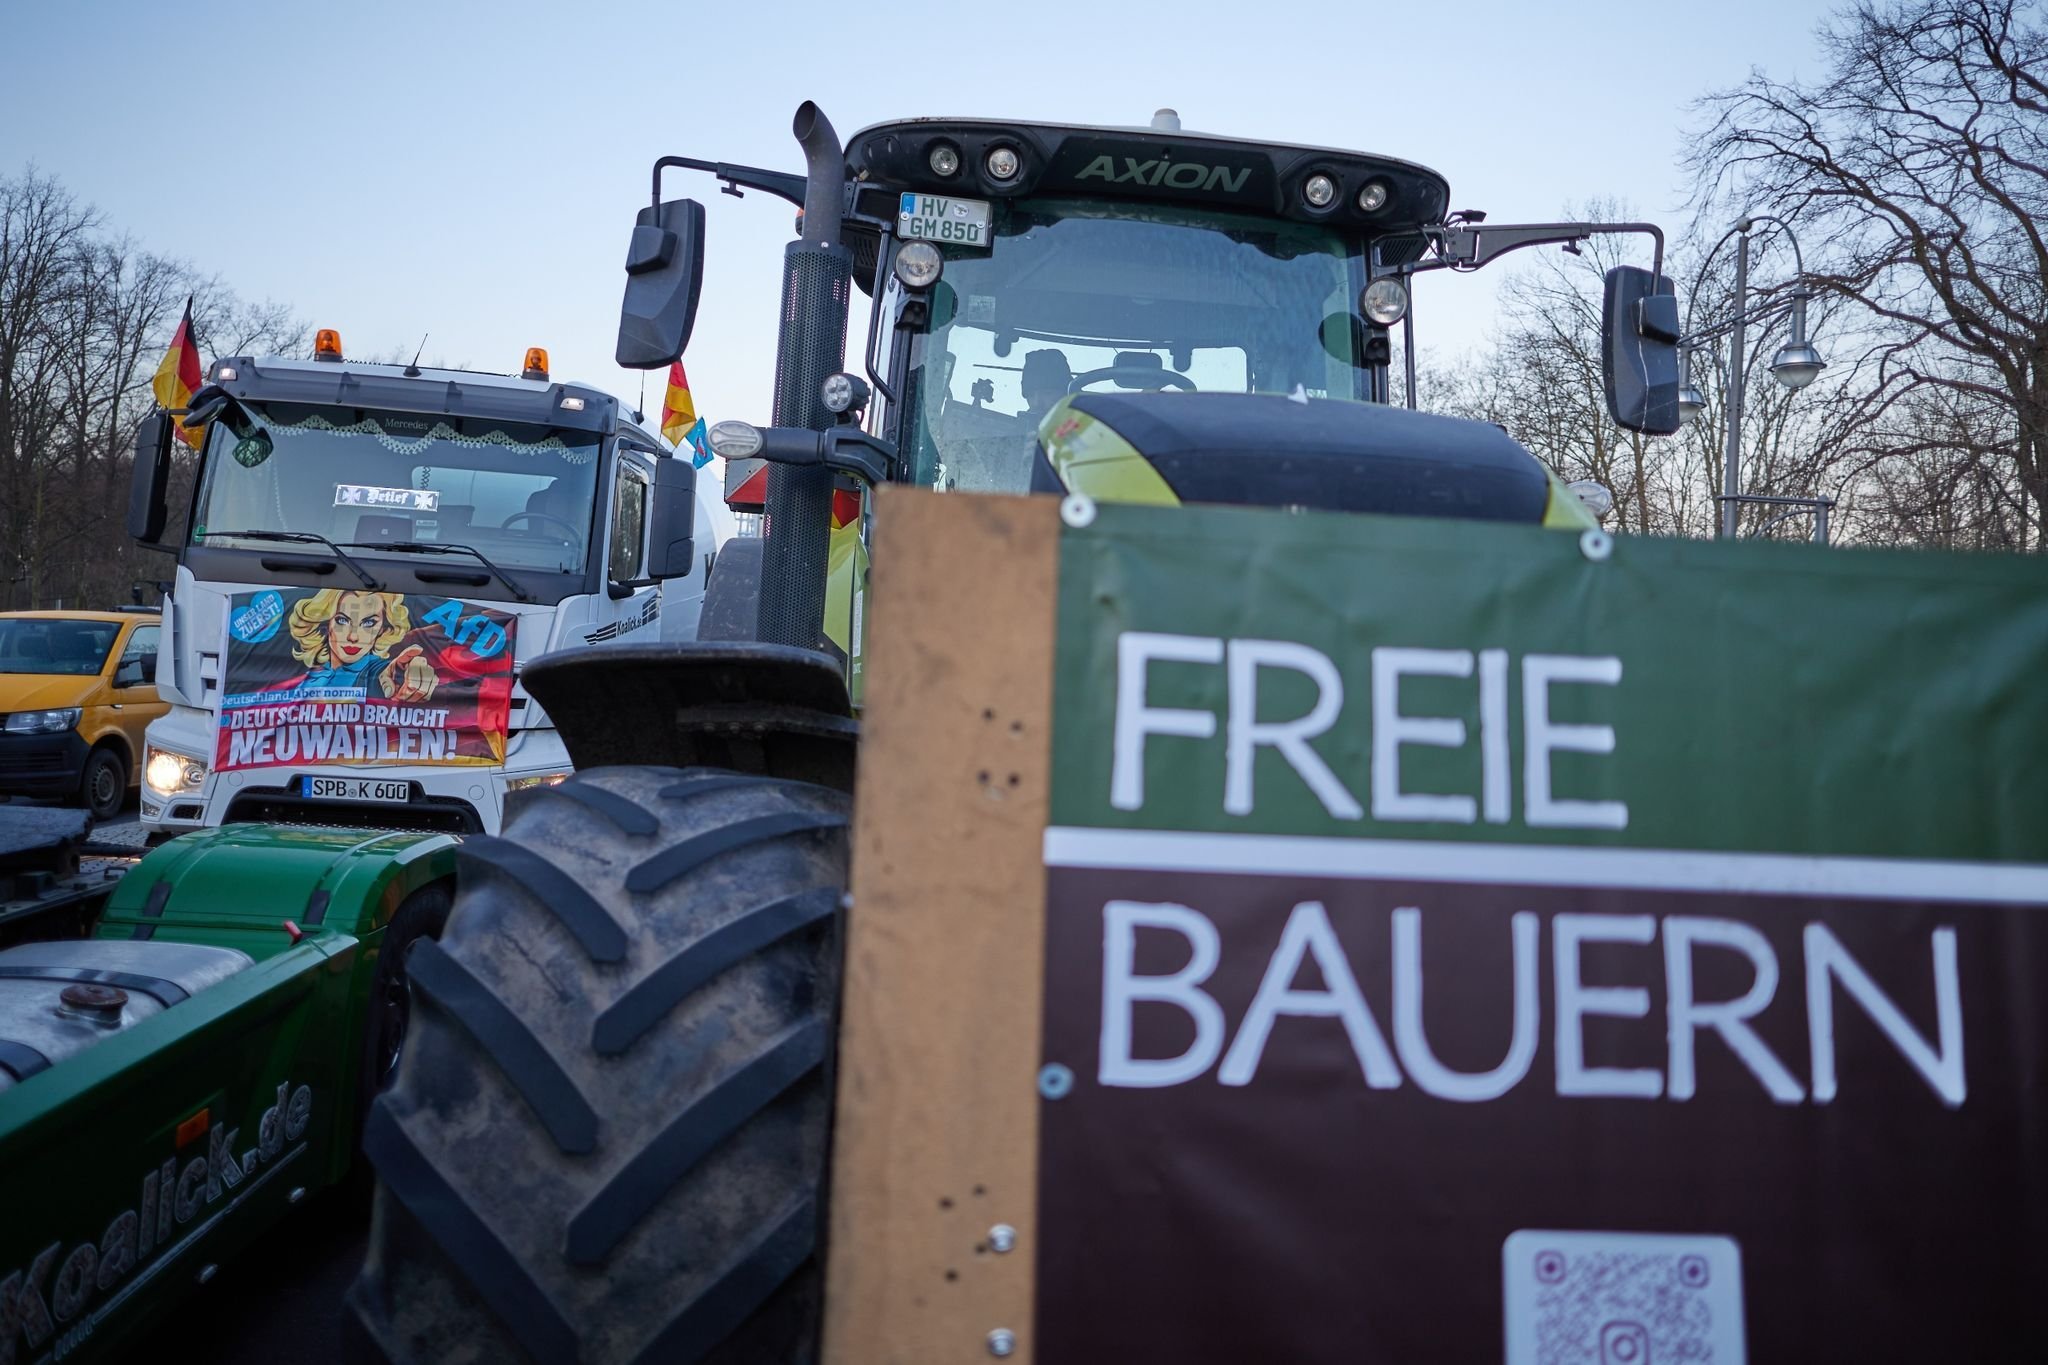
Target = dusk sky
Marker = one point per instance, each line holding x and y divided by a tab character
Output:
471	171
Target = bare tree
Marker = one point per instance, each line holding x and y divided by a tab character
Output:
1916	172
85	317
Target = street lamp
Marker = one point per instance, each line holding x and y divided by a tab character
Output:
1796	364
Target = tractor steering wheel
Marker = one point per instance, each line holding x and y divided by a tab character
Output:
1161	378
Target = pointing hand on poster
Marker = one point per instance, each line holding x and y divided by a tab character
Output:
409	677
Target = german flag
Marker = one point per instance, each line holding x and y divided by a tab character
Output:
177	378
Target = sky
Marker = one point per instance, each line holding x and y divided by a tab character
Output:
469	172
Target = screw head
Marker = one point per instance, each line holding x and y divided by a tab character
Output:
1077	509
1055	1082
1002	1237
1596	545
1002	1342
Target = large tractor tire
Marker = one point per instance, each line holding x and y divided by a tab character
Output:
606	1140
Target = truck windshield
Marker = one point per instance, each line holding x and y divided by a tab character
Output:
523	495
44	645
1087	294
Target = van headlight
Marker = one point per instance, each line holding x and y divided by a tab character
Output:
42	722
169	774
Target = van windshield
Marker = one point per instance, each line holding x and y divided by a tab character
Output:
1088	294
46	645
524	495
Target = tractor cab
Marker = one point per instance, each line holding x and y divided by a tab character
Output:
1135	314
1014	264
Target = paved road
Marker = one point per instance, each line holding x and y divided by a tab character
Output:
280	1301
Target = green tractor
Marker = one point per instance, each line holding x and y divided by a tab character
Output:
608	1136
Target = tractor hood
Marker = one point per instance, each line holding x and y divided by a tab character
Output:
1271	451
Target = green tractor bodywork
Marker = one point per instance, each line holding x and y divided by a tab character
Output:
136	1163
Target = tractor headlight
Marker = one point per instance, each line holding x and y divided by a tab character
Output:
1373	197
844	393
1385	301
918	265
41	722
169	774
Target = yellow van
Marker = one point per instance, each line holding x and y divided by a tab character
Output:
77	689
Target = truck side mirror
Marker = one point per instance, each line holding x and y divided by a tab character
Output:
664	272
671	540
146	510
1639	350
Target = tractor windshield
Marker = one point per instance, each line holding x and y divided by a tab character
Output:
522	495
1101	295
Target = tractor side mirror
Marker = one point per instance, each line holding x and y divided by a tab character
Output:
671	540
146	509
1639	350
664	273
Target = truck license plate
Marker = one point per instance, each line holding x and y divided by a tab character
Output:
941	218
380	791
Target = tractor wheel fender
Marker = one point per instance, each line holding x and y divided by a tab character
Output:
606	1139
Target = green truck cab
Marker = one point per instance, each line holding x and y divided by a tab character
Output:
174	1084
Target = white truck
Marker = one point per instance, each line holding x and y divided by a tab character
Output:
371	555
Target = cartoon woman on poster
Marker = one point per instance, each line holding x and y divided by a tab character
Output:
342	636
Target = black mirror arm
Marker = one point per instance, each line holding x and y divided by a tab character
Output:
1468	246
845	448
781	184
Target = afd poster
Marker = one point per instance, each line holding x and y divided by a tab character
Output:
335	675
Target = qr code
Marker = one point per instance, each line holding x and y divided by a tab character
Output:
1602	1298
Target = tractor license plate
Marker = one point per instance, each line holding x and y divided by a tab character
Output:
379	791
941	218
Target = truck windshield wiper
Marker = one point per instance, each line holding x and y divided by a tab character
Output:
428	547
300	537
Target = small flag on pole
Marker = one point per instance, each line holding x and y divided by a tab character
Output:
178	376
679	419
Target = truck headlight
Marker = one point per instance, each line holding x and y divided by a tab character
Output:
42	722
520	784
169	774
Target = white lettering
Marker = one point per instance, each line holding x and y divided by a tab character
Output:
1391	729
1725	1017
1291	737
1413	1044
1308	933
1575	1000
1827	961
1135	652
1493	734
1122	989
1541	736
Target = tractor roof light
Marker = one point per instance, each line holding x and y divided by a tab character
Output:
1373	197
944	159
536	366
918	265
844	394
1384	301
733	439
326	344
1319	190
1003	163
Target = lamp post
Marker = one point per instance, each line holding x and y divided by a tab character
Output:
1796	365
